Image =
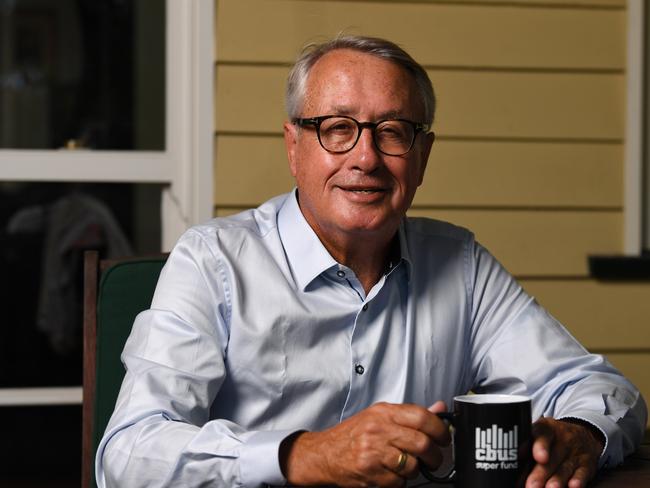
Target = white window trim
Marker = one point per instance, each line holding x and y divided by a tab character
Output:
633	178
190	127
186	165
65	395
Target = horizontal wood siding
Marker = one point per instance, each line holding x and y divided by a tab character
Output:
436	34
530	134
539	242
604	316
493	173
482	104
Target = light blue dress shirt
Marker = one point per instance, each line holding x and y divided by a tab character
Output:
255	331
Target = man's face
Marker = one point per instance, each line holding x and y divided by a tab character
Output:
360	193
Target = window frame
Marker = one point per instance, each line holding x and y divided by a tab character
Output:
636	213
185	166
644	171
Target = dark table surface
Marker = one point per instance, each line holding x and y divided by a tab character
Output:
635	472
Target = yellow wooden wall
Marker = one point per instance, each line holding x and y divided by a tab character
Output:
530	129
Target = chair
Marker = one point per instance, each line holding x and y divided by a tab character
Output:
115	291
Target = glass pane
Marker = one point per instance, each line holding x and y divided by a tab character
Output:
40	447
82	73
44	230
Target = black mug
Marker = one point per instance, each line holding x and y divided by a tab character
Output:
491	441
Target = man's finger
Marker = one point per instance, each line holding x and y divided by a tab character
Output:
557	466
432	459
542	450
438	407
422	420
402	464
580	478
538	476
565	453
417	431
546	465
563	472
417	444
544	439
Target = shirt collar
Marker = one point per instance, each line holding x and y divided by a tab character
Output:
307	256
405	255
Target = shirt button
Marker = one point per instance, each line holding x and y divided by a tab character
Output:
365	307
359	369
340	273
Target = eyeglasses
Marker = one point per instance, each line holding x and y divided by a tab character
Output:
339	133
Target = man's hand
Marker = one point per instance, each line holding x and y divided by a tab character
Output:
366	449
566	453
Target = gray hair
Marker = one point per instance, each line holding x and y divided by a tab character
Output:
381	48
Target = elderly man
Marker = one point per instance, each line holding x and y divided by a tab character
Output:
312	340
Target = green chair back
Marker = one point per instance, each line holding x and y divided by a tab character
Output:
125	290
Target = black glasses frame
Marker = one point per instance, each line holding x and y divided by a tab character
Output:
317	121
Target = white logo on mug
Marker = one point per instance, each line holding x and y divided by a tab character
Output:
494	444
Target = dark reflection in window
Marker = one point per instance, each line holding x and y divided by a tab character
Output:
82	73
44	230
51	435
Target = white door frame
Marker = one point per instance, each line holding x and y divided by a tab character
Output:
186	165
634	136
190	127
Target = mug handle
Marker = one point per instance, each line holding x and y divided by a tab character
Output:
449	477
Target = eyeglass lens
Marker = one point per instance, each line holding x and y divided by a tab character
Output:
340	134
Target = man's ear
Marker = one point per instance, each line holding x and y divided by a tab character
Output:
425	150
290	143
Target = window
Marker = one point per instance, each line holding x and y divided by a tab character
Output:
136	151
83	74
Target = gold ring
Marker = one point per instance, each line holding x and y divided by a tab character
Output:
401	461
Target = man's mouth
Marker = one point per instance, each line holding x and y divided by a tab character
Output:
363	189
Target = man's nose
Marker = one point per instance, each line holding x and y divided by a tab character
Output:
366	156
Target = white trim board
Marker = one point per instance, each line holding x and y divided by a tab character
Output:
633	209
190	127
13	397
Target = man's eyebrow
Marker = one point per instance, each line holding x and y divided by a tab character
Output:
346	110
393	114
342	110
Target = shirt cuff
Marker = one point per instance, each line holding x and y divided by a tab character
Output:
259	462
593	419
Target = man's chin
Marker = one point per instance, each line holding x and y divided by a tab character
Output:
369	227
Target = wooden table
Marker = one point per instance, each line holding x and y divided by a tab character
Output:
635	472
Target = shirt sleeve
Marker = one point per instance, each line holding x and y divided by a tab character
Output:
518	347
160	433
